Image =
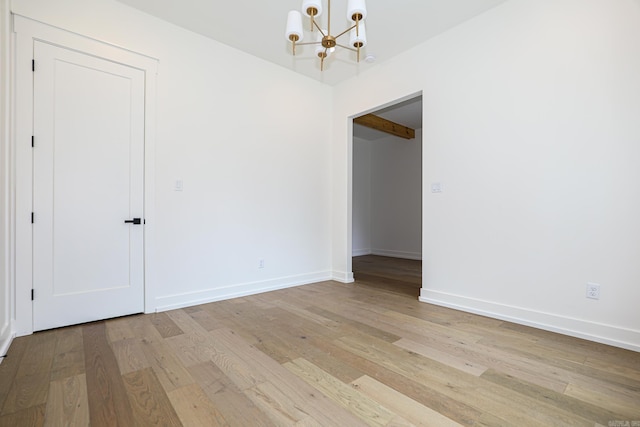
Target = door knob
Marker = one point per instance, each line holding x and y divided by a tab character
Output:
135	221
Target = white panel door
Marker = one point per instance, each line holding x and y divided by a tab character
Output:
88	180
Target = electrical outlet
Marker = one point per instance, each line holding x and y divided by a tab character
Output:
593	291
261	263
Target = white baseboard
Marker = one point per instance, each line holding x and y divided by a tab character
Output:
397	254
598	332
6	337
342	277
172	302
361	252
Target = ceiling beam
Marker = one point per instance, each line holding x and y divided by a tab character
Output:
384	125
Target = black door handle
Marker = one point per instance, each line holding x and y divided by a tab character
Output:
135	221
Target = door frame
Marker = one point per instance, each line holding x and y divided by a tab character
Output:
26	31
349	237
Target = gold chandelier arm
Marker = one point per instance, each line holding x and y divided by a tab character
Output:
347	30
319	29
307	43
342	46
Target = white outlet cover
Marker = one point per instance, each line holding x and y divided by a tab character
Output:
593	291
436	187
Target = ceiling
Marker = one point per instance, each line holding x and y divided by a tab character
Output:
257	27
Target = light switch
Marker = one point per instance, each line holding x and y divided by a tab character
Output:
436	187
178	185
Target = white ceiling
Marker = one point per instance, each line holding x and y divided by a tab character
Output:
258	26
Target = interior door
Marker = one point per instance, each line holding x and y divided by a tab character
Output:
88	158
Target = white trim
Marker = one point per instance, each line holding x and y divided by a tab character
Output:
342	277
89	39
579	328
397	254
349	252
172	302
388	253
6	191
361	252
6	337
26	32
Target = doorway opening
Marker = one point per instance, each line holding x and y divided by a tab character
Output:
387	197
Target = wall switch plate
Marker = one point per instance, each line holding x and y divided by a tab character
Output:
261	263
178	185
436	187
593	291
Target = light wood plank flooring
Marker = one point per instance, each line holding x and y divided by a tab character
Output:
327	354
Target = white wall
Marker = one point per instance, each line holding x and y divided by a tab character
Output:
5	235
387	197
256	182
396	197
361	196
530	121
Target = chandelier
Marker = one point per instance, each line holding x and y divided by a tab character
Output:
325	42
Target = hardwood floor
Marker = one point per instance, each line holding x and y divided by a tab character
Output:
327	354
403	276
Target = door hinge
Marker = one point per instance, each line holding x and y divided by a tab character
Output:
32	295
33	141
33	65
33	217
